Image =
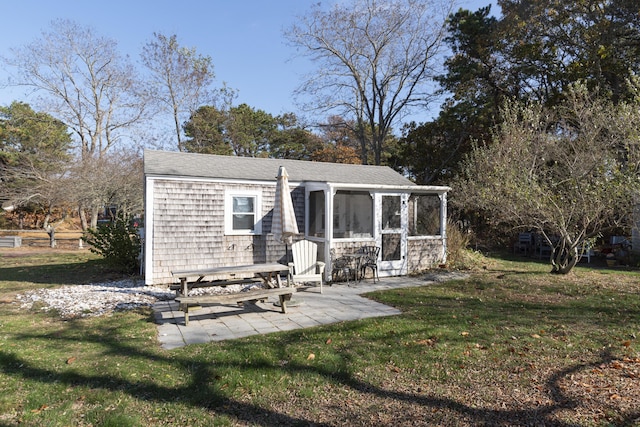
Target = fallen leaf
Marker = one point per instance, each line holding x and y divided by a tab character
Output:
328	341
617	365
71	360
311	356
536	336
464	333
626	343
40	409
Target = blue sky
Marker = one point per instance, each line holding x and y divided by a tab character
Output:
243	38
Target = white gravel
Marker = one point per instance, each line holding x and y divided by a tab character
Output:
103	298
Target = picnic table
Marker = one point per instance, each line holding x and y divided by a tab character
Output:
269	274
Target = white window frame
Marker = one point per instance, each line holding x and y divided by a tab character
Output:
228	212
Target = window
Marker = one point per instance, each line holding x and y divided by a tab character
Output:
424	215
352	214
242	212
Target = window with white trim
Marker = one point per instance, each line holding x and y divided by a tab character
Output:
242	212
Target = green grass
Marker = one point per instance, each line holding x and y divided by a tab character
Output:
510	345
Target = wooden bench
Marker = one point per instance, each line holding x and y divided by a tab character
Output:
10	241
197	301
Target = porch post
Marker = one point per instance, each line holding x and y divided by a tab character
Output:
147	251
443	225
329	192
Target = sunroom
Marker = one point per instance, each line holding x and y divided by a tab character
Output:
407	223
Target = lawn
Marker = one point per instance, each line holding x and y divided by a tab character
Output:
510	345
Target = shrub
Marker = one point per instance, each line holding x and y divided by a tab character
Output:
459	256
118	242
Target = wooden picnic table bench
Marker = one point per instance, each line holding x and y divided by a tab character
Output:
230	275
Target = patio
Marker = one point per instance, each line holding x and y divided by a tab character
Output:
339	302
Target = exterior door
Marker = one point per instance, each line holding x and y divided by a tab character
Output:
391	233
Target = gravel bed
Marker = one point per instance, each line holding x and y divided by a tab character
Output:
102	298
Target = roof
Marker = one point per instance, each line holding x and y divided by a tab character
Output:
171	163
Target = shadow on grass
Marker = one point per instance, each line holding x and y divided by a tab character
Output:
203	391
72	273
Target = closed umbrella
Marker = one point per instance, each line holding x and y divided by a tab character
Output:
284	225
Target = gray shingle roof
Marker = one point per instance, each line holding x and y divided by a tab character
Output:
169	163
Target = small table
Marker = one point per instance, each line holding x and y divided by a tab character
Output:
356	259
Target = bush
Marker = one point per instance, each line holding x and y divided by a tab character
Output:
459	256
118	242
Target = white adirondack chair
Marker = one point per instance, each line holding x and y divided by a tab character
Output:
305	266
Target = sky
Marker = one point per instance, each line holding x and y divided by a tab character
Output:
244	38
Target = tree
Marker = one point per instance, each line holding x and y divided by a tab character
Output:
340	145
550	44
291	140
477	83
375	59
34	155
205	132
535	51
249	131
112	180
569	172
33	140
86	84
241	131
430	153
181	79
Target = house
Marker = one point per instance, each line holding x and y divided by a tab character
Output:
204	211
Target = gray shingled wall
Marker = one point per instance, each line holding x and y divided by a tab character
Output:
188	228
423	254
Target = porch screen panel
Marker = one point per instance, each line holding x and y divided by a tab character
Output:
390	212
316	214
390	247
352	214
424	215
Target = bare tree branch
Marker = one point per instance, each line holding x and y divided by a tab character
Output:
375	60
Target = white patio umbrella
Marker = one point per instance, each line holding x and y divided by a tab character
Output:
284	225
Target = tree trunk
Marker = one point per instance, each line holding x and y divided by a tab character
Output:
52	236
83	218
51	230
94	216
563	258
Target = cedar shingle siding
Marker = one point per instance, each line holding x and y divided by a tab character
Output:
188	227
